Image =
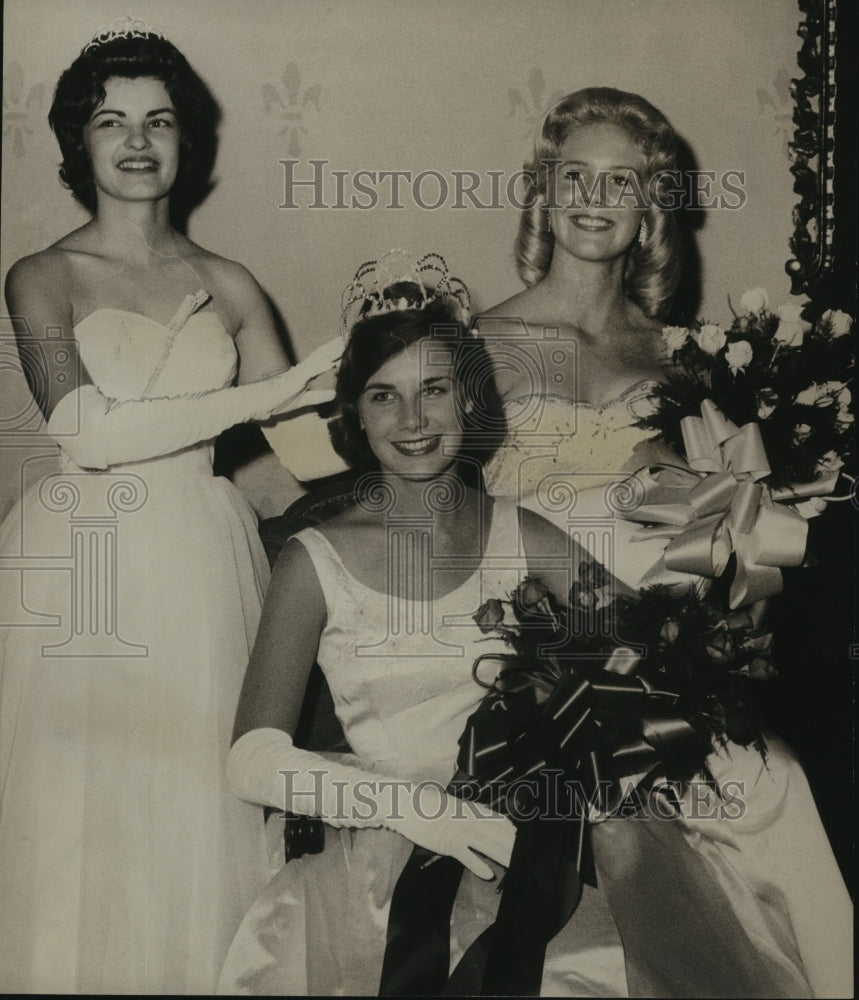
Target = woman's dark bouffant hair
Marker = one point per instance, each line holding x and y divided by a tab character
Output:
80	91
652	271
377	338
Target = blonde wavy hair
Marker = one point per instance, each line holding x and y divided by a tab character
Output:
652	271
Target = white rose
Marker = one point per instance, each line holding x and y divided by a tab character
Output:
755	300
739	354
790	311
710	338
789	334
675	337
839	322
792	327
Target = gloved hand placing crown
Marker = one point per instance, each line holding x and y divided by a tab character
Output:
96	431
319	361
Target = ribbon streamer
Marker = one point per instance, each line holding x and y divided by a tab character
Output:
546	744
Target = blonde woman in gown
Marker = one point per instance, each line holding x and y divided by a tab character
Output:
131	581
576	356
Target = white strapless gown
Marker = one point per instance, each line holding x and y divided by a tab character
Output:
132	598
774	864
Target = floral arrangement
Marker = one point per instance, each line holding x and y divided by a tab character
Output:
679	654
755	436
790	375
576	726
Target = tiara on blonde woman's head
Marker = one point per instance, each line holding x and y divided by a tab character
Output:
395	282
122	27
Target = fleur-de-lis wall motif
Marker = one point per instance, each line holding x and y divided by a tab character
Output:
291	102
776	102
533	101
18	109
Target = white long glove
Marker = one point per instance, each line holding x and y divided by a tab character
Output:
97	432
343	795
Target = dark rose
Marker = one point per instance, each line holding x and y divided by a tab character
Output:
720	647
758	641
767	400
582	597
761	669
802	432
489	615
532	595
593	574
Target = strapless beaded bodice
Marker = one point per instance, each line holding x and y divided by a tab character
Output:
552	436
130	356
122	351
567	461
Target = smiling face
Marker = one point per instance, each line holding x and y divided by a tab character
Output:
409	413
132	140
597	184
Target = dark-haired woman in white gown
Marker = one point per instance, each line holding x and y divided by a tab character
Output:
133	579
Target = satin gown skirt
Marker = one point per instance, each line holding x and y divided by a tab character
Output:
131	599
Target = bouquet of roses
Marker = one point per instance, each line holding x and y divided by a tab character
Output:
754	437
789	374
665	673
602	707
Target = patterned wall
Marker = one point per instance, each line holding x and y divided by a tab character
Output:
438	88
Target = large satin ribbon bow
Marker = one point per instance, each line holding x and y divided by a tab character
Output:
565	738
714	506
595	724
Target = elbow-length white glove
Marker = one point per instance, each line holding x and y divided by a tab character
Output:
97	432
265	767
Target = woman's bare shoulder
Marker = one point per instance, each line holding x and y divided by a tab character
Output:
643	342
52	263
528	315
351	529
519	309
235	290
49	275
234	278
541	536
518	318
59	265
